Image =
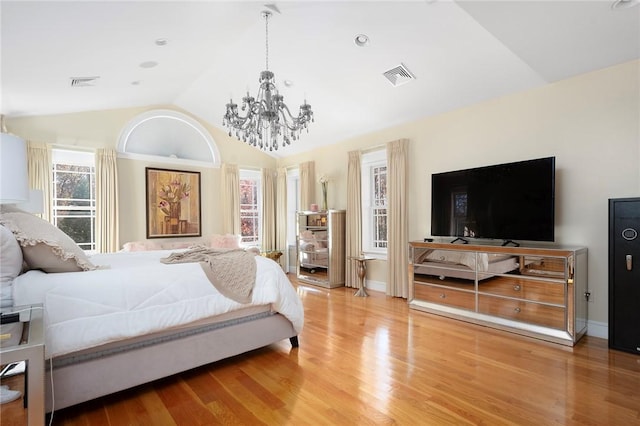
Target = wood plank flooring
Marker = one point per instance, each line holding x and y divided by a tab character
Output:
373	361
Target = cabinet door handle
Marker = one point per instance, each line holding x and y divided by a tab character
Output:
516	287
629	260
443	296
517	310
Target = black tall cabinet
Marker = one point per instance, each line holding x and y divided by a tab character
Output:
624	274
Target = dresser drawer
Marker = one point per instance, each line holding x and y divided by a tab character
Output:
549	267
524	288
445	296
527	312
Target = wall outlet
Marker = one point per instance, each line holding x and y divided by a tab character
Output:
590	296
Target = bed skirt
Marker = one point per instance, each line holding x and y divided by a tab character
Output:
91	374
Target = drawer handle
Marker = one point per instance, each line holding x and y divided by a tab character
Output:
517	310
443	296
516	287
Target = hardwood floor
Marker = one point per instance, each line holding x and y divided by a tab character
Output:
373	361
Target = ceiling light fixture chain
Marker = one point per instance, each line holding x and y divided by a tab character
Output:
268	123
266	14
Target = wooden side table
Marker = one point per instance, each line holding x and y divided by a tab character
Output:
361	265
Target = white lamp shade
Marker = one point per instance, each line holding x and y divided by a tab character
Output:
14	182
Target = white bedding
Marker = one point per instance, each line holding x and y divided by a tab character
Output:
137	295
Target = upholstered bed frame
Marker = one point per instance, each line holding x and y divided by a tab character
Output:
52	262
90	374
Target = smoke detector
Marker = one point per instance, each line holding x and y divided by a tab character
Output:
399	75
624	4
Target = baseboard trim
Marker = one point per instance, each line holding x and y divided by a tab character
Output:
598	329
380	286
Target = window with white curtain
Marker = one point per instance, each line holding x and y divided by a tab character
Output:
250	207
374	203
74	195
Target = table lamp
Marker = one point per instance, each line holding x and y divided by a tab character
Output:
14	186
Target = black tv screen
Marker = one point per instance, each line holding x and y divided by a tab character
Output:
512	201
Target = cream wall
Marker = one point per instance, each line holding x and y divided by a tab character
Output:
590	123
101	129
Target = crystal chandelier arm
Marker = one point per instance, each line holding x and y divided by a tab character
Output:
299	122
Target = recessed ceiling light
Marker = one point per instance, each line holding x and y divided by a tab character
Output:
148	64
624	4
135	83
162	42
288	83
361	40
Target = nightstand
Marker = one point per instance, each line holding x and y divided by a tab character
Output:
272	254
29	348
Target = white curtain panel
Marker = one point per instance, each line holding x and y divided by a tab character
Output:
397	226
107	223
281	213
307	185
268	210
39	165
230	190
353	225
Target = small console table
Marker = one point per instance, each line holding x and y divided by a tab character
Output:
361	265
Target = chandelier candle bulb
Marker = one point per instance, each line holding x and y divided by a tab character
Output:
268	123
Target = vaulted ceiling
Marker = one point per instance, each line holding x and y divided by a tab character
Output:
196	55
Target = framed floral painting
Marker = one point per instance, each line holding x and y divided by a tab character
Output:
173	203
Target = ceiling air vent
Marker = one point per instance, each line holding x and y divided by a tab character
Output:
83	81
399	75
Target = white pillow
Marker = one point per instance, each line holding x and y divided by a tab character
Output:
44	246
10	265
307	236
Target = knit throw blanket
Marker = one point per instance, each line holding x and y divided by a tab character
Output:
232	272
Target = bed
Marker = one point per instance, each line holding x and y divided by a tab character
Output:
462	265
123	319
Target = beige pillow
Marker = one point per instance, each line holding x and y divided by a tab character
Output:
321	239
229	241
10	256
44	246
10	265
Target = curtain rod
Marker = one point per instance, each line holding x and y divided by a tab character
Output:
72	148
374	148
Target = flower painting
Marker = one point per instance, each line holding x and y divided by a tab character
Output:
173	203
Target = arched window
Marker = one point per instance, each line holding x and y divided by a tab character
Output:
168	136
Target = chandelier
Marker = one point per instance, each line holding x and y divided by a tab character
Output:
268	123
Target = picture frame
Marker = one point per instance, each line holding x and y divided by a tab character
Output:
173	203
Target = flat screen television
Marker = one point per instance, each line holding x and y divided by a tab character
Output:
512	201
